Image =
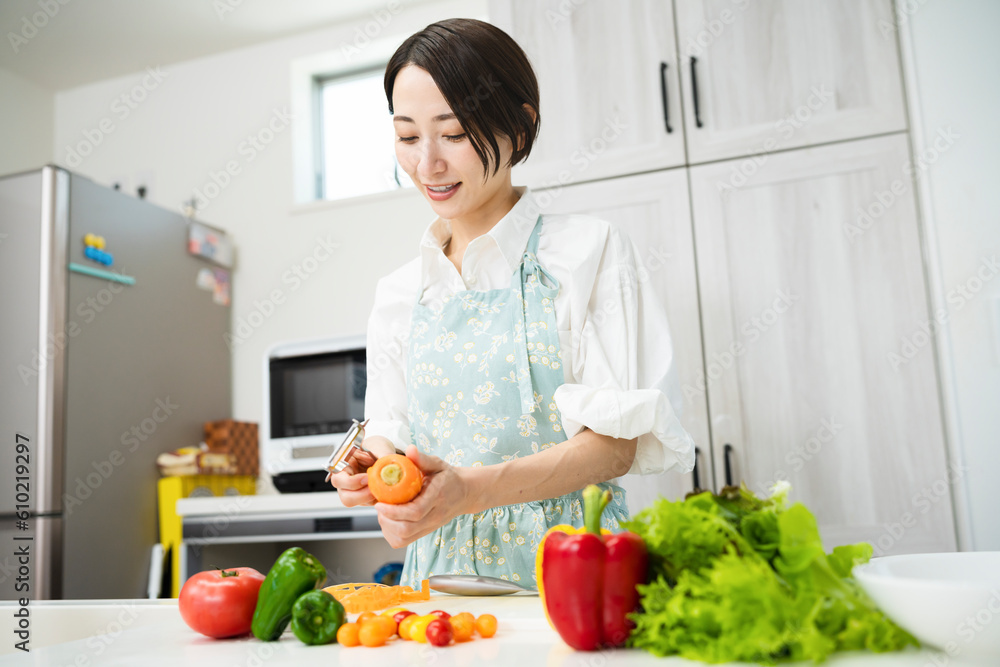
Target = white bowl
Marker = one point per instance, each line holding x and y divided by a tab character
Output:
949	601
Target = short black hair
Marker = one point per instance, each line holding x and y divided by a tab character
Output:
484	76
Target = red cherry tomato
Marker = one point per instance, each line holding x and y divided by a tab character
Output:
439	632
441	614
220	603
400	615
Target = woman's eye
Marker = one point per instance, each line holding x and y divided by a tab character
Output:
455	137
407	140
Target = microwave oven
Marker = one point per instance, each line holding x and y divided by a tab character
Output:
312	391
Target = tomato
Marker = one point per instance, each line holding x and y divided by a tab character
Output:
486	625
418	631
220	603
400	615
387	626
462	626
348	634
371	635
403	630
441	614
439	632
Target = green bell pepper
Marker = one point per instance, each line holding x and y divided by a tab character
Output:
294	573
316	617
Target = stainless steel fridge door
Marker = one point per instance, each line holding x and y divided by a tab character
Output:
33	338
34	574
148	365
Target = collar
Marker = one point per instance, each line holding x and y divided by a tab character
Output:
510	234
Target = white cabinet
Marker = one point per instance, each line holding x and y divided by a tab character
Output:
810	277
764	75
753	77
654	211
607	72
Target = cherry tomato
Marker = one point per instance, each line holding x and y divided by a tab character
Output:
462	626
486	625
387	626
364	616
439	632
418	631
406	625
371	635
220	603
400	615
440	614
393	611
347	634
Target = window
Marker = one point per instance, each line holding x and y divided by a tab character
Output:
355	137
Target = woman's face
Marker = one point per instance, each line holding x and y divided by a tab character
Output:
434	150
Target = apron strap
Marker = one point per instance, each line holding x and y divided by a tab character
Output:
533	279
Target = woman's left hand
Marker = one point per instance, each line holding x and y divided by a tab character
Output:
445	495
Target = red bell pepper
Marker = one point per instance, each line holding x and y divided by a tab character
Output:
587	580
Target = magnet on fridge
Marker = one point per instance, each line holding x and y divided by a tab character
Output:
206	279
210	243
221	292
94	241
92	253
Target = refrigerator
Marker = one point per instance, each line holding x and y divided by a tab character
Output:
106	360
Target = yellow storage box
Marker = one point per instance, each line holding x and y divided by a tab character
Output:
172	489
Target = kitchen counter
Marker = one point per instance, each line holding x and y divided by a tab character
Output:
152	633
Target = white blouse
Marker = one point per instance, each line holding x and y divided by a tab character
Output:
620	377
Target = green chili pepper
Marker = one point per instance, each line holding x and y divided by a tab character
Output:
316	617
294	573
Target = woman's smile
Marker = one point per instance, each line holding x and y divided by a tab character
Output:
442	192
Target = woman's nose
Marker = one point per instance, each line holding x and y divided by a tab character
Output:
430	161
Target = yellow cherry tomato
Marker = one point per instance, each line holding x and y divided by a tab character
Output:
418	631
347	634
405	625
486	625
386	624
371	635
462	626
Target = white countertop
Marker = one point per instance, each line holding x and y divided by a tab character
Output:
150	633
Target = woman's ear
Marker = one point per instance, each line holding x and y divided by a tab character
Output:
531	112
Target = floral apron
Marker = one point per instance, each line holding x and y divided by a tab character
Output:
483	369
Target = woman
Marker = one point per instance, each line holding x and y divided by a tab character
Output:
517	359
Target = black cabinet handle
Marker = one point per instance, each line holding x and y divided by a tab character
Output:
727	454
694	92
694	473
663	95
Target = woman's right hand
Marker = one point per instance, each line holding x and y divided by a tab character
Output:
352	482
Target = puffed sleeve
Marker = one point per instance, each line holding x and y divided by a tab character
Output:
626	384
388	331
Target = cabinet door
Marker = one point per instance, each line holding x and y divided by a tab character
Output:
773	74
607	74
654	211
810	278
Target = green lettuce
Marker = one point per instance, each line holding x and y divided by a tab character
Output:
734	577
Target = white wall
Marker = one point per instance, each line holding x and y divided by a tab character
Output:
192	120
25	124
955	50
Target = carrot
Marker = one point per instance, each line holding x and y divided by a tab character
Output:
395	479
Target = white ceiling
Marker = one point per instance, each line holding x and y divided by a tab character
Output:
91	40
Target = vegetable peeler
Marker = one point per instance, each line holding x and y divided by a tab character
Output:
338	460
